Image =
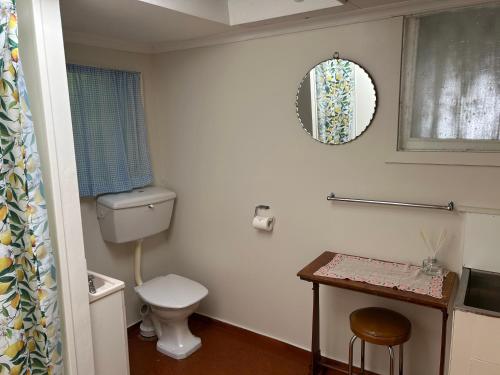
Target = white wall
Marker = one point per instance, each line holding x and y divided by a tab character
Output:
224	136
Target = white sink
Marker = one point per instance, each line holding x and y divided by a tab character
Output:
109	327
104	286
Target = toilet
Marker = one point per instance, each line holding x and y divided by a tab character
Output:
170	299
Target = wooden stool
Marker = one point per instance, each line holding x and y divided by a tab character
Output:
380	327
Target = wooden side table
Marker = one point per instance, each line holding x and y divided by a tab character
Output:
307	274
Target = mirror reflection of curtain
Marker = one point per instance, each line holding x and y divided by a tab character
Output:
457	75
334	94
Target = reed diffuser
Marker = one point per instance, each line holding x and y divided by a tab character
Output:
430	265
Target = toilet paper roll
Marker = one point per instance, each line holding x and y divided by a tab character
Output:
263	223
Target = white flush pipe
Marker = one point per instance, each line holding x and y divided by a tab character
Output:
137	262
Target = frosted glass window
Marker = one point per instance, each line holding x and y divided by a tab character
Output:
450	97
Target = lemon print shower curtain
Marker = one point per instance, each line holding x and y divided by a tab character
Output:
335	98
29	322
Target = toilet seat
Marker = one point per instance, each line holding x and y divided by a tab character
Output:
171	292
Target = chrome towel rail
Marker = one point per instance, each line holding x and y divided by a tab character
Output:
449	207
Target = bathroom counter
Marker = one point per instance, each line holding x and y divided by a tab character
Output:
442	304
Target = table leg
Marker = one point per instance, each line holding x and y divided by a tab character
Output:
443	341
315	351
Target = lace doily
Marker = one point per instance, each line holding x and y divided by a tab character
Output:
376	272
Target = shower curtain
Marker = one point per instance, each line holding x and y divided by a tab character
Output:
29	322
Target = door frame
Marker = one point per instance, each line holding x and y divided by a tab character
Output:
41	45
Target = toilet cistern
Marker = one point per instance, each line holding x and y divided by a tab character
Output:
133	216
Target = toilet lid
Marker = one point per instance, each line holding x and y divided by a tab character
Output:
171	291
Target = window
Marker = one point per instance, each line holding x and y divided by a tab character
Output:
109	130
450	90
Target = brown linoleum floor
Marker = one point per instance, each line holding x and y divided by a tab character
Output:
226	350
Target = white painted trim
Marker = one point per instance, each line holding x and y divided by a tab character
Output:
449	158
45	55
409	59
477	210
240	34
448	145
106	42
405	141
331	20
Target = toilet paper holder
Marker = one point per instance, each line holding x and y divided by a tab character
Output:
265	223
260	207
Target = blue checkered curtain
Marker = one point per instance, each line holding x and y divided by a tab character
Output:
109	132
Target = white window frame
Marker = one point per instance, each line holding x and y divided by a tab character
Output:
405	142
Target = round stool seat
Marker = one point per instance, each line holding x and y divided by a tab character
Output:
380	326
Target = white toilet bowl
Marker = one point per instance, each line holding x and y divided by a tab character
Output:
171	327
173	299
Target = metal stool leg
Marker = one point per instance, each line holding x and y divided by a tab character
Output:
362	357
401	355
351	349
391	353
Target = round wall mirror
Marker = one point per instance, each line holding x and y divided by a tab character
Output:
336	101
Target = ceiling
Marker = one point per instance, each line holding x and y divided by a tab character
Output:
146	25
140	22
237	12
134	21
